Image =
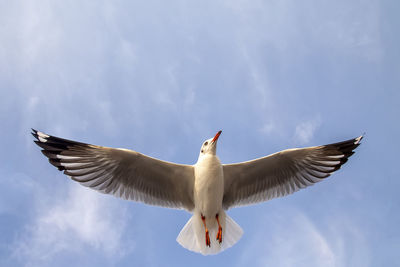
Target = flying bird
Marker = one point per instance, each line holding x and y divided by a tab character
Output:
206	189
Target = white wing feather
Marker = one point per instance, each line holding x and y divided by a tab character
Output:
282	173
121	172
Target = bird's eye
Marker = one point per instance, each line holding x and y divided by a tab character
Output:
206	143
202	151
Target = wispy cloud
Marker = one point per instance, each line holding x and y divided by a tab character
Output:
136	74
268	127
294	239
290	243
305	130
82	221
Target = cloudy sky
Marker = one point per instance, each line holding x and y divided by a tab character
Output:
160	77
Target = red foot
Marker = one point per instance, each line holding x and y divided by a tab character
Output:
208	243
219	235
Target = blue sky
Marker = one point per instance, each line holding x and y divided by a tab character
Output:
160	77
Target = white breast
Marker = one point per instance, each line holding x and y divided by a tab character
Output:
209	185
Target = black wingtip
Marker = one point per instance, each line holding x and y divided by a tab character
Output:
357	140
34	133
346	148
56	163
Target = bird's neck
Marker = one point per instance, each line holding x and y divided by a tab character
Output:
208	160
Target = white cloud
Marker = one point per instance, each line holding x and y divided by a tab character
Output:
83	221
294	239
77	72
290	243
268	127
305	130
305	244
290	26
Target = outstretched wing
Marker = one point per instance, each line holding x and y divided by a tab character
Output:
283	173
121	172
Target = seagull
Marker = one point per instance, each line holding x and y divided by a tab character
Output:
206	189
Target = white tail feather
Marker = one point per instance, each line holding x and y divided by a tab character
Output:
186	237
192	236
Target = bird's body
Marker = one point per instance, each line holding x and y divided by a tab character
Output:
208	186
209	218
208	195
206	189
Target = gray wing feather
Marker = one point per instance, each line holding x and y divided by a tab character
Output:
121	172
283	173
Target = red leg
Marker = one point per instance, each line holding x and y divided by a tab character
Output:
219	234
208	243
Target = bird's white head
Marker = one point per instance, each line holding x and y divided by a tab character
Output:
209	146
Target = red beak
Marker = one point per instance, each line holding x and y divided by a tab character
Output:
216	137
